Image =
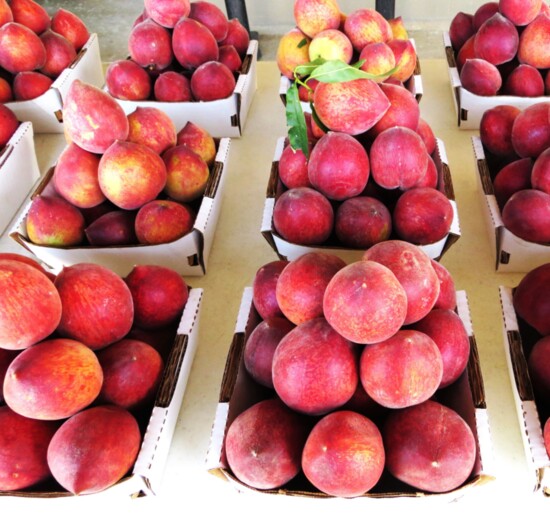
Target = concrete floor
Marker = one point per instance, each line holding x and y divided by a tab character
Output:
113	21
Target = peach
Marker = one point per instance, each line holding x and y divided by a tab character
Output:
366	25
404	110
379	60
32	307
530	130
28	85
338	166
497	40
422	216
495	129
530	299
132	372
483	12
199	140
352	107
460	29
212	81
161	221
6	92
20	48
263	444
60	53
302	283
447	290
293	168
131	174
114	228
71	27
427	134
413	269
229	56
10	124
398	29
398	158
527	215
260	347
466	52
97	306
540	175
92	118
126	80
238	36
75	177
210	15
534	43
193	44
524	81
30	14
264	288
405	59
6	357
150	45
480	77
331	44
314	16
187	174
53	221
429	447
159	294
24	443
53	380
511	178
303	216
365	302
520	12
5	13
362	221
304	365
94	449
447	330
172	86
152	127
344	444
402	371
168	12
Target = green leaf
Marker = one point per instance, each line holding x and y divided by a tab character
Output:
296	121
335	71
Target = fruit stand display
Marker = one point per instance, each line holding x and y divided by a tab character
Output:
350	347
498	55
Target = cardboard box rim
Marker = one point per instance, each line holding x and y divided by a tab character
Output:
221	118
194	247
286	250
19	171
512	254
145	477
232	390
413	84
46	111
537	458
470	107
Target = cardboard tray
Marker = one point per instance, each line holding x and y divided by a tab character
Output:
413	85
470	107
518	342
221	118
19	171
238	392
146	476
289	251
187	255
512	254
46	111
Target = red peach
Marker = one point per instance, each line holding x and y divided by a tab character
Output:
172	86
20	48
161	221
534	43
512	178
527	215
193	43
152	127
210	15
480	77
460	29
530	130
264	289
187	174
379	60
495	129
530	299
447	291
293	168
168	12
524	81
199	140
150	45
127	80
71	27
60	53
212	81
30	14
366	25
238	36
497	40
28	85
312	17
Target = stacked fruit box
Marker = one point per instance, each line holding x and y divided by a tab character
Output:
505	45
279	395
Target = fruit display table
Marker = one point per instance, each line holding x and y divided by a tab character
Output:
238	251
